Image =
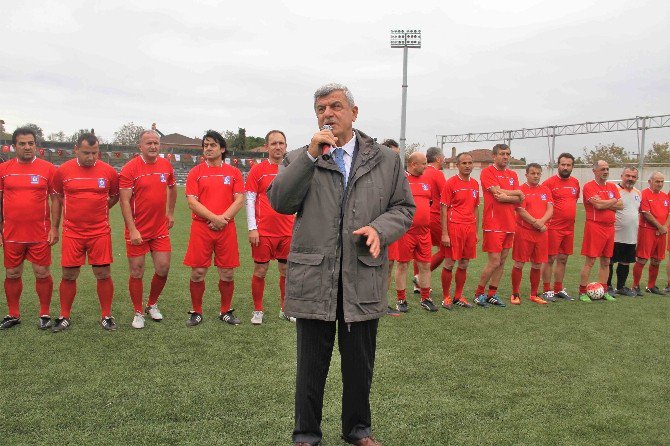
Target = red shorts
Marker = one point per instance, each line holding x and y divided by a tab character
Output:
650	245
160	244
561	241
598	240
497	241
271	248
75	250
414	246
394	254
35	253
436	232
530	246
463	239
203	242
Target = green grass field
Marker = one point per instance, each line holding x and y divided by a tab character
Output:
562	374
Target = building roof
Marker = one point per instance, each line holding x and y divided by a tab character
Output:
177	139
483	156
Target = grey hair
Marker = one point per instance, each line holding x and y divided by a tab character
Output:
631	168
327	89
432	153
597	162
148	132
657	173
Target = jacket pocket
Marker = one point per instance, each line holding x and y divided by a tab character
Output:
303	277
370	278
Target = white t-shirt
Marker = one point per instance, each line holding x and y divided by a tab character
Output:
625	226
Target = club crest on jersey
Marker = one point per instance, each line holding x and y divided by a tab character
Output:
511	181
226	179
574	191
610	194
665	203
543	197
102	183
474	194
163	180
637	198
425	186
34	179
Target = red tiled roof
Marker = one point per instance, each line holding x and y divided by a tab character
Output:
482	156
177	139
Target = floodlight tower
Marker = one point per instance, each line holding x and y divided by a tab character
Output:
404	39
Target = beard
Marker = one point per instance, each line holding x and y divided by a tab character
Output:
564	174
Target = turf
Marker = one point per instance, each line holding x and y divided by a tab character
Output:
565	373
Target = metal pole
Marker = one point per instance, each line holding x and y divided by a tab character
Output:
553	150
641	159
403	113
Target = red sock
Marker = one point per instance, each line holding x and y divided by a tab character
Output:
446	281
197	291
105	296
582	289
653	274
517	274
637	274
546	286
157	285
461	275
558	286
401	294
67	291
535	276
13	289
436	260
257	289
492	290
425	294
282	290
226	289
480	290
44	289
136	288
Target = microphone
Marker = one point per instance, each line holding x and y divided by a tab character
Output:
326	147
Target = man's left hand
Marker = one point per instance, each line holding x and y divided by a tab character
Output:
372	239
170	220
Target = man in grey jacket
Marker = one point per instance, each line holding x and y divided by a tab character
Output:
350	202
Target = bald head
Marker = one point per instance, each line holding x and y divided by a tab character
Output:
416	163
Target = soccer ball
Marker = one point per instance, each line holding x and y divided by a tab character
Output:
595	290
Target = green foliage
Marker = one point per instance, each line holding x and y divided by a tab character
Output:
613	154
75	136
659	153
254	141
38	130
59	136
128	134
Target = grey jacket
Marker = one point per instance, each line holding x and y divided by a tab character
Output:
378	195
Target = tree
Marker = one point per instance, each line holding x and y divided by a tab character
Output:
128	134
2	126
241	140
254	141
75	136
612	153
59	136
411	148
37	129
659	153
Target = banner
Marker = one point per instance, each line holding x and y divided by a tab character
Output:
177	157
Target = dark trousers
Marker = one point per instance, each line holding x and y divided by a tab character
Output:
357	343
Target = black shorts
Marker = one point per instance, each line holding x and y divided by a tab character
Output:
623	253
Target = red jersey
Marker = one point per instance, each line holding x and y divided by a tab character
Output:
436	180
149	183
214	187
270	223
85	191
25	190
422	193
461	199
655	203
535	203
564	193
498	217
605	192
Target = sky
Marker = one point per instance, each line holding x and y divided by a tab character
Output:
484	65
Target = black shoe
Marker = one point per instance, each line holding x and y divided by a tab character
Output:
108	323
563	294
428	305
655	290
61	324
610	290
229	318
45	323
391	312
402	306
495	300
549	296
194	319
9	322
638	291
625	291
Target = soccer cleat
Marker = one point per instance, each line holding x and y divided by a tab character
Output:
138	321
538	300
625	291
108	323
194	319
638	291
481	301
549	296
584	298
392	312
61	324
462	302
45	322
495	301
229	317
447	303
667	289
563	294
9	322
283	317
401	306
515	300
610	289
428	305
608	297
655	290
154	313
257	318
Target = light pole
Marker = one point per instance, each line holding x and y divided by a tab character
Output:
404	39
